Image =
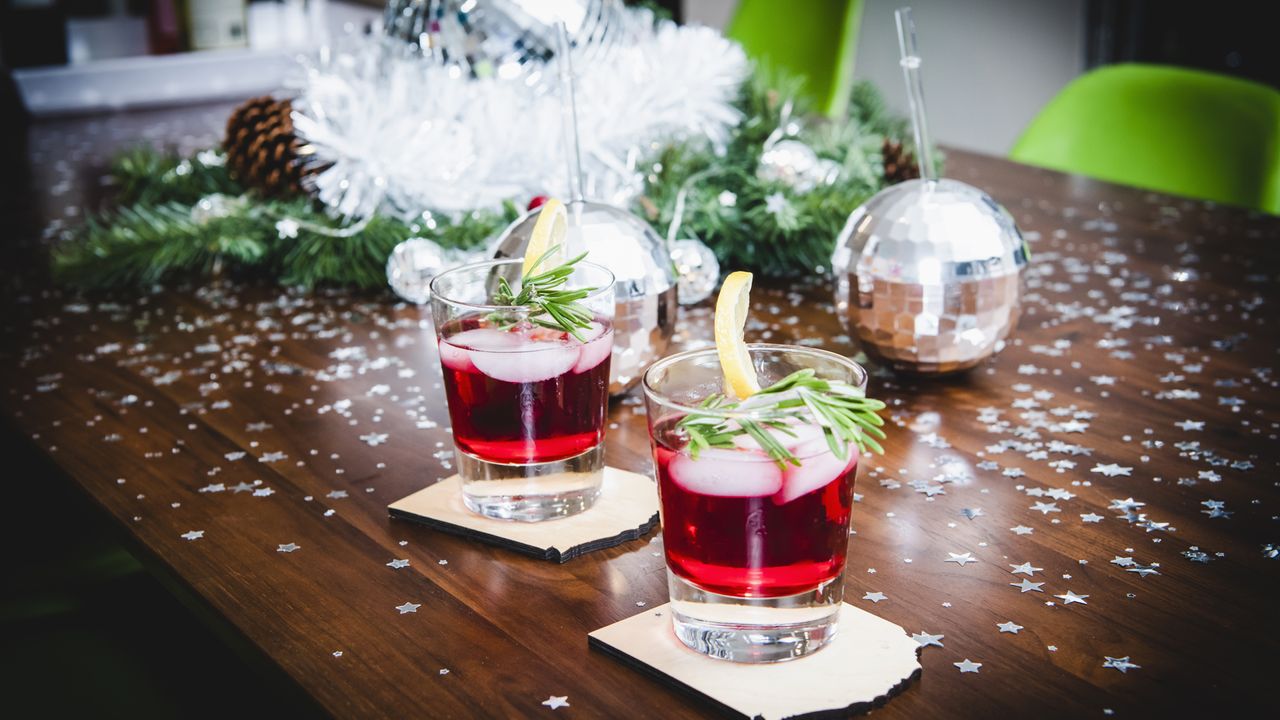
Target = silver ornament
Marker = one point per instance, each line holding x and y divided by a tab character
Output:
412	265
698	270
645	283
788	162
796	165
510	39
928	275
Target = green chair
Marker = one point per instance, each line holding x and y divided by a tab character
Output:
1168	129
816	39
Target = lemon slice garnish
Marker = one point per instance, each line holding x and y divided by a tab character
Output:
549	231
731	318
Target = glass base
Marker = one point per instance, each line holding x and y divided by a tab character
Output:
533	492
755	630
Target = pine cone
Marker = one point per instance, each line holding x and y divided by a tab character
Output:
262	151
899	164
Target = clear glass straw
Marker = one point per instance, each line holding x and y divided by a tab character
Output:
915	90
569	113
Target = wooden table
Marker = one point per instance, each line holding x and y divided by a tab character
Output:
1140	381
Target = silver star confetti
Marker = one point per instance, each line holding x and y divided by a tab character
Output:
1028	586
1121	664
924	639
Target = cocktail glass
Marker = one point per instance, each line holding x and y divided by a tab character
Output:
527	402
755	551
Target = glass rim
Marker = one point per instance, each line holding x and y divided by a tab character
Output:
656	396
607	287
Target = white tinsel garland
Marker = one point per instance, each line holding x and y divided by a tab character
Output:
400	134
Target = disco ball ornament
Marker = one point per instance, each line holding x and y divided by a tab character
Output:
697	268
796	165
644	280
928	276
413	263
508	39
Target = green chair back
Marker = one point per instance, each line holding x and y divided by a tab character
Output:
816	39
1168	129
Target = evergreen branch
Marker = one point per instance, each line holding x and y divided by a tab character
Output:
843	411
541	292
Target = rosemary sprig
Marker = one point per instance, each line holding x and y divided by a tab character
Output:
842	410
555	308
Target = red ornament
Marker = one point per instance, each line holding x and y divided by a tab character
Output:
536	202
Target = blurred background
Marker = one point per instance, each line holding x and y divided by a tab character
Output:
992	64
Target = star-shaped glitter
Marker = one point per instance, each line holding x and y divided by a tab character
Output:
556	701
924	639
1125	505
408	607
1143	570
1028	586
1123	561
374	439
1189	425
875	597
272	457
1073	426
257	427
397	564
1091	517
287	547
1045	507
1111	469
1121	664
1071	597
193	535
1009	627
1024	569
971	513
968	666
242	487
1103	380
1021	530
960	559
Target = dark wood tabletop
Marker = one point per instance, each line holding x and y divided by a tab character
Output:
1123	444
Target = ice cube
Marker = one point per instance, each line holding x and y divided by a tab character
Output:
455	350
818	467
595	349
452	356
528	362
727	473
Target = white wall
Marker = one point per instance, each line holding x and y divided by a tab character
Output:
989	65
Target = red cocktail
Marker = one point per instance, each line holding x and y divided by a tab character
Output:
736	523
527	392
756	496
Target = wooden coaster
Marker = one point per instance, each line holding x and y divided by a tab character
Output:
627	510
869	660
